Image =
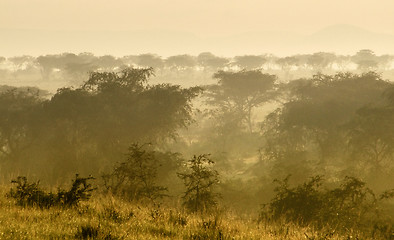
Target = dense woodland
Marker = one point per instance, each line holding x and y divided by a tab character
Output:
251	129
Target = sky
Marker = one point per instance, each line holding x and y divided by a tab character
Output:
204	18
169	27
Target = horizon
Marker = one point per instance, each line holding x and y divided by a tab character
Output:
342	39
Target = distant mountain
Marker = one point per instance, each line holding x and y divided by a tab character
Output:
341	39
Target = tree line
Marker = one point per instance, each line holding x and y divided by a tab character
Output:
255	127
74	68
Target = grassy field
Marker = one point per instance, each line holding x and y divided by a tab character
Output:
106	217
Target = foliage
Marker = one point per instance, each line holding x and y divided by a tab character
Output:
136	178
83	129
317	125
238	93
351	205
249	61
371	138
200	180
29	194
19	121
181	62
210	61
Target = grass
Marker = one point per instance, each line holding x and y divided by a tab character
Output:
106	217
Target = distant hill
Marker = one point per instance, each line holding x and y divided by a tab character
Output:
341	39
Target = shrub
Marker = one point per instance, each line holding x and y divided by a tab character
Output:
136	177
351	205
300	204
29	194
200	180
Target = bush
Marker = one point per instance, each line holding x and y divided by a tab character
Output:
136	177
200	180
351	205
29	194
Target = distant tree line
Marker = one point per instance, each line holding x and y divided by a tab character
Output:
76	67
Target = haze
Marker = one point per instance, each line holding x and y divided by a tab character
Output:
196	119
201	22
203	18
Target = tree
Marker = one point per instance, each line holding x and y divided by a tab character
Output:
136	178
240	92
20	63
249	62
371	139
366	60
200	180
311	127
287	63
48	63
181	62
78	72
19	114
320	60
108	62
150	61
69	137
96	122
210	61
135	110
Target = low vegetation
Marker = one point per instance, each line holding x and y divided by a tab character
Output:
108	217
352	205
30	194
307	211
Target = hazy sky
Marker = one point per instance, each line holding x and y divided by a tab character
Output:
204	18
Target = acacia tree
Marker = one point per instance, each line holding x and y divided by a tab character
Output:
366	60
240	92
200	180
150	60
93	125
211	62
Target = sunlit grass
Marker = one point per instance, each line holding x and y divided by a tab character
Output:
107	217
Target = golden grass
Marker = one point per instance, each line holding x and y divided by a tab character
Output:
106	217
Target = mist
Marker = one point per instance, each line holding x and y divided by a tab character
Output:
196	120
